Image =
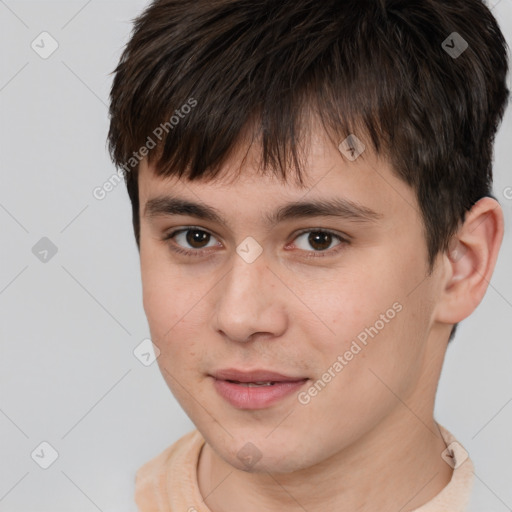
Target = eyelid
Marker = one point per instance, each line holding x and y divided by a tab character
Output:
188	252
344	239
342	236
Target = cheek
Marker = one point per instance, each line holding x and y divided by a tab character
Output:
173	309
348	304
163	291
371	319
172	315
382	340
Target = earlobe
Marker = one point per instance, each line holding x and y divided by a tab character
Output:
470	261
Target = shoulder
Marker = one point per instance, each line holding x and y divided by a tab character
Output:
176	461
482	499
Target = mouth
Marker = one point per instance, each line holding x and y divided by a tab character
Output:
252	384
257	389
256	377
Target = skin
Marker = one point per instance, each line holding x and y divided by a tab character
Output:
368	441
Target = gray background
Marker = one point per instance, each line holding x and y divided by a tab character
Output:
69	325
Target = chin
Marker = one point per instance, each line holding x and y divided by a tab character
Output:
260	455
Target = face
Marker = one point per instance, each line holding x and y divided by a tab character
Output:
340	306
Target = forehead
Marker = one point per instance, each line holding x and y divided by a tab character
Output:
363	189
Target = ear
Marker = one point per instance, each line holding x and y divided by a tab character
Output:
470	261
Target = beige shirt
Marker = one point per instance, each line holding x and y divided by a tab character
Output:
168	482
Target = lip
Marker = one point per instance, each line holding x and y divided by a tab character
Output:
254	376
243	397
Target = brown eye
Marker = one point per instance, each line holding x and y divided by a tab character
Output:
195	242
319	240
189	241
196	237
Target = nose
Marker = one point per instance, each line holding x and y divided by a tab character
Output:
250	302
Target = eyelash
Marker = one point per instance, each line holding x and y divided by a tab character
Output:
313	254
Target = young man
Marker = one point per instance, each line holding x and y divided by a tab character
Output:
311	189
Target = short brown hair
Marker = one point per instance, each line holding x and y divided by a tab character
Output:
379	69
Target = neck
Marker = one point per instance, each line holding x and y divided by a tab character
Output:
397	466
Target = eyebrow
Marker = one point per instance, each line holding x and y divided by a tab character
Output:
336	207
